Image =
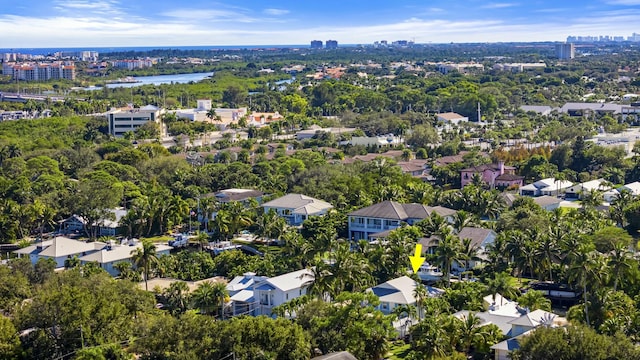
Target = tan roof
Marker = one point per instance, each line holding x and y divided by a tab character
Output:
62	246
450	116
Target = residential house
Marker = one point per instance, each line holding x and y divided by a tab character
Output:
239	195
260	119
548	203
241	293
400	292
633	188
111	254
522	326
479	239
278	290
577	191
389	215
548	186
315	130
296	208
389	140
103	227
60	249
492	175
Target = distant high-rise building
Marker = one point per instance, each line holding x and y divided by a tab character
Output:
565	51
331	44
316	44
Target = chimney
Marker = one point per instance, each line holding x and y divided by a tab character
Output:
501	167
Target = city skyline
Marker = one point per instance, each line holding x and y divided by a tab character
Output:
103	23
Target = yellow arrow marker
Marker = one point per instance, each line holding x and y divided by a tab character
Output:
417	260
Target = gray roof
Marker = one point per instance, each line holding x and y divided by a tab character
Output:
540	109
608	107
476	235
295	201
237	194
546	200
396	211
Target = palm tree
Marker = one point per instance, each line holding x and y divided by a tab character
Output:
582	267
209	295
447	251
470	331
239	216
620	261
534	300
202	238
211	114
145	258
177	295
501	284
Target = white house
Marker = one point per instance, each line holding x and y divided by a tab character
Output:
377	141
522	326
548	186
296	208
633	188
112	254
241	293
578	190
59	249
280	289
389	215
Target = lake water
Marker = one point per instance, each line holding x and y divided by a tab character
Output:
163	79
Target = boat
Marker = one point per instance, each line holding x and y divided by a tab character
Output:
429	273
126	80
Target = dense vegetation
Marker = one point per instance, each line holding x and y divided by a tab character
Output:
53	168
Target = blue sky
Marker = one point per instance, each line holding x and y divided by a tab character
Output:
97	23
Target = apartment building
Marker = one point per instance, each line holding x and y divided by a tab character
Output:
32	71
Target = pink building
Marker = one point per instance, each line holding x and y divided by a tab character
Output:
495	175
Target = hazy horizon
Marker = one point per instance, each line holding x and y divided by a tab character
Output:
168	23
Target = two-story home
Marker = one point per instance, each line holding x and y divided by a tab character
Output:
111	254
241	293
278	290
296	208
60	249
389	215
494	175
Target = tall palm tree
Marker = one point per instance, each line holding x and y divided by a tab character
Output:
239	216
582	267
621	261
470	330
447	251
145	258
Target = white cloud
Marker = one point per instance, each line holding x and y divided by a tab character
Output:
498	5
623	2
276	12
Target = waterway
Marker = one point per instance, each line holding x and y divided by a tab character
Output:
162	79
